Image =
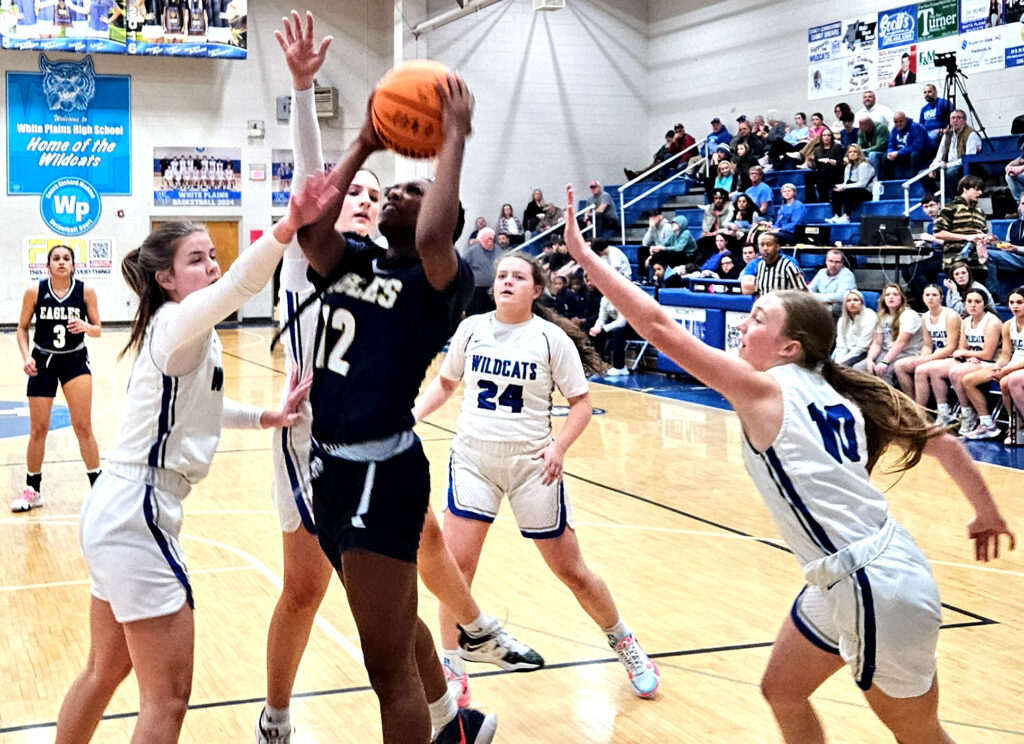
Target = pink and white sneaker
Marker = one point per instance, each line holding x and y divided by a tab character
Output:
458	684
30	499
643	673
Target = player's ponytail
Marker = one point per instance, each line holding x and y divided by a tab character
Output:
139	268
890	416
593	364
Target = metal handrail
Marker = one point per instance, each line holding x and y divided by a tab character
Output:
560	223
907	209
659	185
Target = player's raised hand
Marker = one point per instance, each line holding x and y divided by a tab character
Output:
303	55
456	106
573	237
292	409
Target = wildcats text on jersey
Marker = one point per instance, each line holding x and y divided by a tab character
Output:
59	312
381	291
504	367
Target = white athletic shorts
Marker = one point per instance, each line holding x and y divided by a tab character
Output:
883	619
293	489
480	473
129	531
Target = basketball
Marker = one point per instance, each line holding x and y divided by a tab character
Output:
406	111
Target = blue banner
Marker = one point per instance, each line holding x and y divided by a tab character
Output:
897	27
67	121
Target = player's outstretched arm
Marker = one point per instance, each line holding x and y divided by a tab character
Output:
988	524
434	395
439	212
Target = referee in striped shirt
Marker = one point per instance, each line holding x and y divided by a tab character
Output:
776	271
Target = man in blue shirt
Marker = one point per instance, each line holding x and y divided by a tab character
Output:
906	153
760	193
831	283
935	113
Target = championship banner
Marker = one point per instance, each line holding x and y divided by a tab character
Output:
68	122
197	176
94	257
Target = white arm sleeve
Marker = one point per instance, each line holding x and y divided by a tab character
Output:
308	155
177	342
240	415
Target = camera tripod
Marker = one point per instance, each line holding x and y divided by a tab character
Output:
953	86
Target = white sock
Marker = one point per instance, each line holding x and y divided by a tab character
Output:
442	711
944	409
616	632
986	420
454	661
481	625
277	716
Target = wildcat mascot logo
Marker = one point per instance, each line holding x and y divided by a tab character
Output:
68	86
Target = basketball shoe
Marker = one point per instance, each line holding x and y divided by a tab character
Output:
29	499
269	733
468	727
458	684
497	646
643	673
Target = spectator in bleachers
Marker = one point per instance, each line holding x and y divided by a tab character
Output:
817	125
748	274
609	334
715	260
759	128
549	218
1015	177
682	143
934	116
503	242
613	256
774	130
474	237
660	156
576	299
974	385
743	160
744	136
873	140
926	269
482	256
744	218
591	303
941	335
905	76
683	247
1006	259
659	234
605	216
719	135
728	268
826	168
841	109
959	282
959	140
510	226
557	292
723	176
832	282
776	271
854	187
905	154
560	257
793	141
760	193
962	226
879	113
790	214
848	134
855	330
717	215
664	275
534	210
897	334
980	334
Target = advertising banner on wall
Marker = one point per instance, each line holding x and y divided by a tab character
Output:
94	256
197	176
176	28
897	27
897	66
67	121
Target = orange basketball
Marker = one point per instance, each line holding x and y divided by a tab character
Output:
406	112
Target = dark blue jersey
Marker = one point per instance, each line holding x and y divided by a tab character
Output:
380	325
52	316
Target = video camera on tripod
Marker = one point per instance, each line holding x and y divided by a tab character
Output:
947	60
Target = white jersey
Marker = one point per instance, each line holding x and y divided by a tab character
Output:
510	372
1016	342
172	422
813	478
937	331
974	334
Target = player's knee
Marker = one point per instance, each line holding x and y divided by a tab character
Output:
574	574
82	429
304	592
108	676
39	429
779	693
390	675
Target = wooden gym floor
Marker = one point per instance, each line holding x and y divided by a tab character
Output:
664	511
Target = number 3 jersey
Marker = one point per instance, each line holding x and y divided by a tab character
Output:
380	326
813	478
52	316
510	372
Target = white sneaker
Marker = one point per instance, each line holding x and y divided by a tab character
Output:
841	219
617	372
266	733
643	673
30	499
984	432
968	423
